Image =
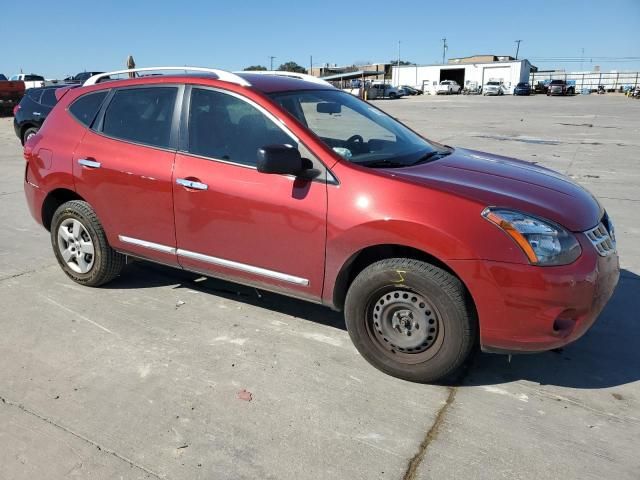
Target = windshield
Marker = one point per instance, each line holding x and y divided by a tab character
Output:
356	130
493	83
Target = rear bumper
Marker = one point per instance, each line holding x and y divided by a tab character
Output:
523	308
35	198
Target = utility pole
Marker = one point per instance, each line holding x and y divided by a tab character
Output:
271	57
310	64
582	60
398	63
444	48
517	48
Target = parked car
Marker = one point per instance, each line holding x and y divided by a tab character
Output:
30	80
448	87
560	87
522	88
83	77
411	90
384	90
291	185
10	94
492	87
30	113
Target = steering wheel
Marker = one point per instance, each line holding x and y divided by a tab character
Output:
356	141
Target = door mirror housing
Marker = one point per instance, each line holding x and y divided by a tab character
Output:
280	159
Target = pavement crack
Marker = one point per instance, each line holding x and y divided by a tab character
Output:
431	435
79	436
27	272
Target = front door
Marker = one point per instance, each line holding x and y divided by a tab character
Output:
123	169
238	223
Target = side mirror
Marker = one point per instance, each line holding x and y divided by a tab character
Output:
280	159
328	107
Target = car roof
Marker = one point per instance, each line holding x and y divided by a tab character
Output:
264	83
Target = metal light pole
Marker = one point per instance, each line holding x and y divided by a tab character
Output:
444	48
398	63
271	57
517	48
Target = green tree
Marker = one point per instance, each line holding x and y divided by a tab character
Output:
292	67
402	62
256	68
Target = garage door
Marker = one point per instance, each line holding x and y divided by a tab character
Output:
500	74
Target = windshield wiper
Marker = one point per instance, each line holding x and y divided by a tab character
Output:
383	162
430	156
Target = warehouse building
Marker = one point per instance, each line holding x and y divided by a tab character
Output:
466	71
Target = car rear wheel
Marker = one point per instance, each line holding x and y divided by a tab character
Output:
410	319
392	95
28	133
81	246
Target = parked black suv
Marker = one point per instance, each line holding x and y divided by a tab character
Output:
33	109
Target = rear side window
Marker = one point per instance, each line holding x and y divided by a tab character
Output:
49	97
33	78
225	127
141	115
34	94
85	108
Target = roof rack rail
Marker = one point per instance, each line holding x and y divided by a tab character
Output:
282	73
221	74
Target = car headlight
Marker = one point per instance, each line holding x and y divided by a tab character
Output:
542	241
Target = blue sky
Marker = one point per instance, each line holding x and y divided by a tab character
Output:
60	38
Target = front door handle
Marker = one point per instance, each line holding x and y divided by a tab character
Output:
192	184
89	163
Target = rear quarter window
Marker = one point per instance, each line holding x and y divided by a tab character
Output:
85	108
49	97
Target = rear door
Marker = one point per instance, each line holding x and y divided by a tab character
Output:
123	169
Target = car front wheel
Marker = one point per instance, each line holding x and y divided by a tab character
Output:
80	245
410	319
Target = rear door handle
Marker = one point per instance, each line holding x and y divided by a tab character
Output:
37	113
89	163
192	184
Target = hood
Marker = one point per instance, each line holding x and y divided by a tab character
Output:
493	180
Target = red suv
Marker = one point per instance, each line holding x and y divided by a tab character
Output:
293	186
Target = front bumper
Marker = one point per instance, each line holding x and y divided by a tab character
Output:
524	308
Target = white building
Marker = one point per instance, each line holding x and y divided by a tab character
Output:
465	72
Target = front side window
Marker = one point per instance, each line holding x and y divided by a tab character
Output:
85	108
141	115
224	127
48	97
356	130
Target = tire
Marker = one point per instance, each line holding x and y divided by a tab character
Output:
28	133
75	243
427	327
392	96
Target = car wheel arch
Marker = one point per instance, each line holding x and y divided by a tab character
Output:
366	256
53	200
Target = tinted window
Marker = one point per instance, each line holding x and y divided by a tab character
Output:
49	97
2	77
33	78
141	115
225	127
86	107
34	94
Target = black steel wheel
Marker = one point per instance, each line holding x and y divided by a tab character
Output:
410	319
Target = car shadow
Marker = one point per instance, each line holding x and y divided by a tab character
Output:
141	274
608	355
